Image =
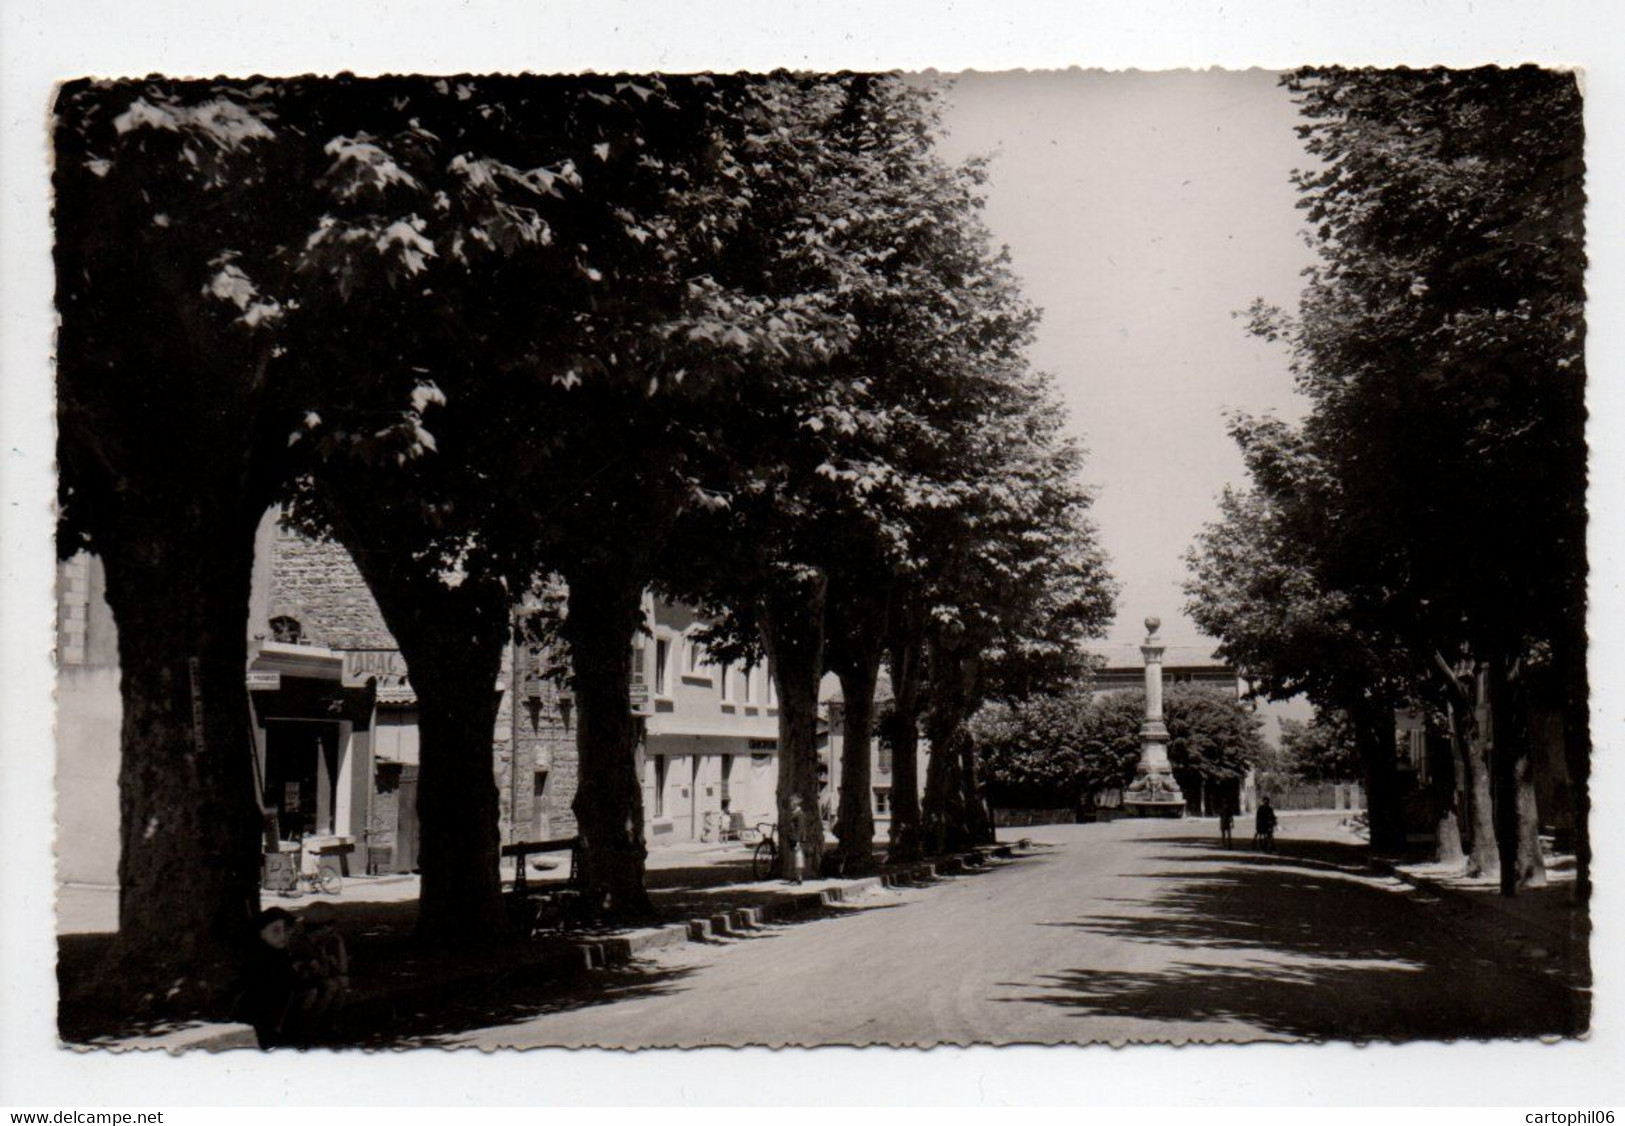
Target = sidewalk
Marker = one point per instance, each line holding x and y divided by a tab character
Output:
705	891
1542	927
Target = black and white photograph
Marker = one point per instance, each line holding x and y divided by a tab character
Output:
794	556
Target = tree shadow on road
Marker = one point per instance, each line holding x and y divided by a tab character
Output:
1308	942
394	974
495	1002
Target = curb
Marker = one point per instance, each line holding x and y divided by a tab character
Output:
1477	903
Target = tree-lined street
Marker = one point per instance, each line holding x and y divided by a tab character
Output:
596	390
1132	931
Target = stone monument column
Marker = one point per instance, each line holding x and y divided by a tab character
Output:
1154	793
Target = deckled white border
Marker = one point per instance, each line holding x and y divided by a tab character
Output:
43	42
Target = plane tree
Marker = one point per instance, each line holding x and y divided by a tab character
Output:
175	207
363	296
1013	569
1440	343
1256	582
563	393
858	499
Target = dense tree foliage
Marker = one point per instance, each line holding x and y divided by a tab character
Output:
1440	343
1257	583
1055	750
174	240
572	308
485	330
923	480
1321	750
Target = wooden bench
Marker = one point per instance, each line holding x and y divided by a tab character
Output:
534	910
521	851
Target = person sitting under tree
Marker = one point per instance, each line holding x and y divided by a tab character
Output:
268	1000
321	966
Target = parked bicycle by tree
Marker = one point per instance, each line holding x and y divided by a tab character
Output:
764	858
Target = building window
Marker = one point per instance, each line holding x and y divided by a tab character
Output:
660	785
534	671
750	684
287	630
662	667
696	658
725	674
883	765
770	696
883	800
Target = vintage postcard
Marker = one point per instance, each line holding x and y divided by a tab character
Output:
822	558
983	558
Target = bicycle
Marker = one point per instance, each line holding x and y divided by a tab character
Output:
290	882
323	880
764	858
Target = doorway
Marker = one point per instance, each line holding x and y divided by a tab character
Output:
301	776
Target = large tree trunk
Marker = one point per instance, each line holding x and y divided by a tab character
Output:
178	586
453	639
947	820
1570	655
856	644
1444	757
906	646
942	815
170	451
978	817
1517	820
855	819
454	657
1470	719
792	617
1374	736
605	612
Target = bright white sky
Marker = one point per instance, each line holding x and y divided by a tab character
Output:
1142	210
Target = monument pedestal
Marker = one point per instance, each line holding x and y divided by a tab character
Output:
1153	793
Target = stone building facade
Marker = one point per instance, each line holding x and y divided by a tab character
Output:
310	594
335	722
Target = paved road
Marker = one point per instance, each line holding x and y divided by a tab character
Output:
1134	931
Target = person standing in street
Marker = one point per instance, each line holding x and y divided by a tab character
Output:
1227	823
1264	831
795	857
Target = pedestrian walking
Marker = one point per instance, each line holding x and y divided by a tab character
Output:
1227	823
1264	829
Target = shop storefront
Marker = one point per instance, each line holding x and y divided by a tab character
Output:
312	742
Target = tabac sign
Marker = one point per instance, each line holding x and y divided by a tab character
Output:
385	664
